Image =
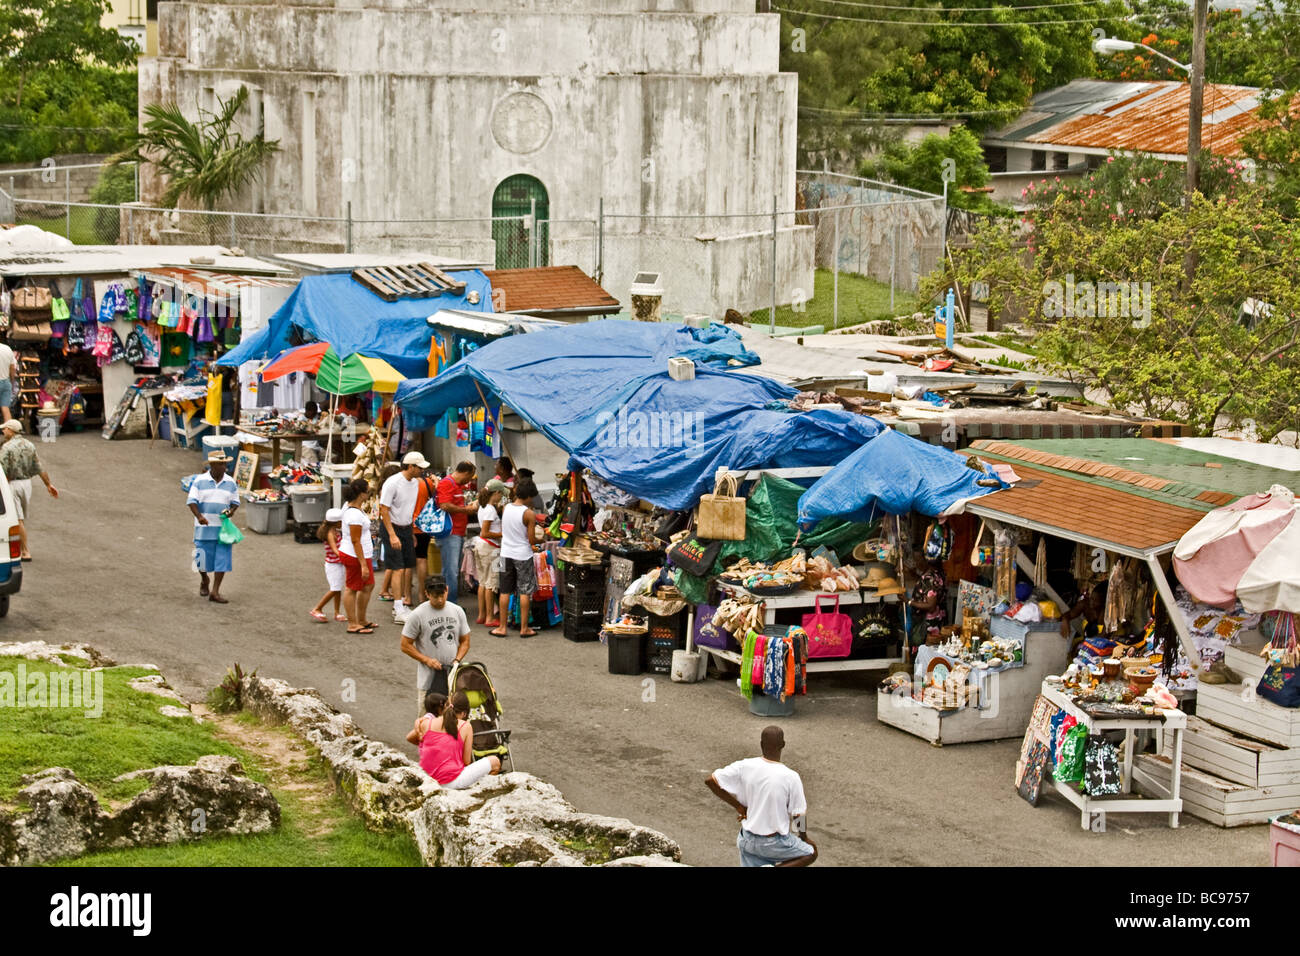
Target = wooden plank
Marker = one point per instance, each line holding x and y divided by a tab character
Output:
1235	758
376	285
1212	798
398	280
909	715
1257	718
455	285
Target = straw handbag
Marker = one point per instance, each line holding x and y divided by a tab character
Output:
722	514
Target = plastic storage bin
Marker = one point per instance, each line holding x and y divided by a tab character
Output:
310	502
763	706
626	653
268	517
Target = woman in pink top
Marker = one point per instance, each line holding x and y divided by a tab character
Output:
445	746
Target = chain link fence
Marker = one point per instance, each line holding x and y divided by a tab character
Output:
885	233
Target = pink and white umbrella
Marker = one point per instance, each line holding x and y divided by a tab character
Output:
1247	551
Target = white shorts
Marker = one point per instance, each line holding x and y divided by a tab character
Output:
471	775
22	489
335	574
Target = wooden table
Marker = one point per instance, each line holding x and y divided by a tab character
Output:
800	599
275	438
1098	807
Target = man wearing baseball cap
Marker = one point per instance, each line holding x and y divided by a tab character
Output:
20	463
397	511
213	495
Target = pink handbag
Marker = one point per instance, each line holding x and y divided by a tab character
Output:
830	633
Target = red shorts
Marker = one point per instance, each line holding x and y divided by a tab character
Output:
355	580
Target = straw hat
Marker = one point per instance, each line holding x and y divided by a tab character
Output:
218	455
880	578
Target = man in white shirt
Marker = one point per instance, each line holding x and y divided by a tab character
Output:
767	795
8	380
397	511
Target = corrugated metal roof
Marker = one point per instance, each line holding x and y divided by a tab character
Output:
1137	117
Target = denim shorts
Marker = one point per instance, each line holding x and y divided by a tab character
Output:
6	393
762	850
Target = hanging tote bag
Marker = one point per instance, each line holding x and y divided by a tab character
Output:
938	542
545	577
830	633
722	514
694	555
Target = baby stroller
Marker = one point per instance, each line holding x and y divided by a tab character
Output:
484	712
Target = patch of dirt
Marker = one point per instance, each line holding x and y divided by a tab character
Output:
290	765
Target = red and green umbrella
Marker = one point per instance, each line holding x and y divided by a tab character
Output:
356	373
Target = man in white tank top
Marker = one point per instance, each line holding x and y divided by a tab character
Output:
518	532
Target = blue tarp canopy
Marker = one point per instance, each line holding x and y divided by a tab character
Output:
339	310
893	474
560	380
669	438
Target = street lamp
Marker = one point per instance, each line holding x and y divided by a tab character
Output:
1109	45
1105	46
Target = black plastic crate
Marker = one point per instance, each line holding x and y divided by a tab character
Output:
585	574
659	653
669	628
576	629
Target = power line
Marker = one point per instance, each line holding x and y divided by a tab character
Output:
957	114
66	129
946	23
1005	6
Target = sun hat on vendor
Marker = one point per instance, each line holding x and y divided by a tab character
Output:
214	456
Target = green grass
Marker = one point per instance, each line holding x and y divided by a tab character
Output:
83	230
317	829
861	300
130	734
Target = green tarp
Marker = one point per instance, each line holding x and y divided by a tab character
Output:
770	532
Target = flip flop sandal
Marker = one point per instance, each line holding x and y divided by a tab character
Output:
386	597
370	624
217	600
361	630
203	590
499	633
340	617
319	617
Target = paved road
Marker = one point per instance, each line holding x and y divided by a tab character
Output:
112	568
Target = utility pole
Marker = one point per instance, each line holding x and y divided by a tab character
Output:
1196	104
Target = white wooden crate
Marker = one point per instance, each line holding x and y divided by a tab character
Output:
1232	757
1224	705
1211	798
1244	657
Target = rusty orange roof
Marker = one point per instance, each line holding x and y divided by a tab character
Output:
1144	117
1072	507
550	290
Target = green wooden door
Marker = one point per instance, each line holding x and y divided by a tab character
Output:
515	247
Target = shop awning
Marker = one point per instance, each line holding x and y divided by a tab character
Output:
336	309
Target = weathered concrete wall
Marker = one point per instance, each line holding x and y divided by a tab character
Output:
411	115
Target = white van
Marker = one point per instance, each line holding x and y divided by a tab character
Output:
11	566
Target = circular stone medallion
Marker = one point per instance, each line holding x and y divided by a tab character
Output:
521	123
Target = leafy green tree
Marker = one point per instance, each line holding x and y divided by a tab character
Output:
117	184
923	167
834	60
1156	341
38	36
205	160
989	73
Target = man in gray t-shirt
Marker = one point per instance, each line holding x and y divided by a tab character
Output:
436	634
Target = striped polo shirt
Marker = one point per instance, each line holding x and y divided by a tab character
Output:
212	497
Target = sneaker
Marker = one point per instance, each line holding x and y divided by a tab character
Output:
399	617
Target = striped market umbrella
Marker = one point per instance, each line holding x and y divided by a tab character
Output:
356	373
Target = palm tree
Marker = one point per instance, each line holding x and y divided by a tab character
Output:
206	160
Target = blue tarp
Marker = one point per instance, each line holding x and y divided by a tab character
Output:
892	474
339	310
560	380
669	438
